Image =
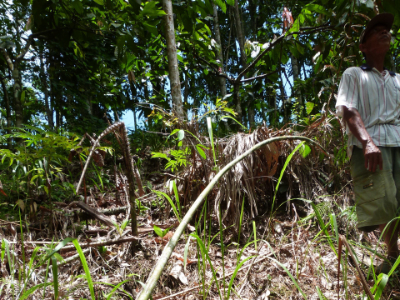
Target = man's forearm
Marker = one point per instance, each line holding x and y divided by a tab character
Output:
372	154
356	125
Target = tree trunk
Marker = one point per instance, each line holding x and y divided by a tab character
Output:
172	60
17	96
134	93
284	98
49	111
222	80
297	94
240	35
243	60
8	111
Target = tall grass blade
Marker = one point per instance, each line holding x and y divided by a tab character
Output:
185	253
240	227
158	193
211	135
116	287
58	247
380	285
221	232
291	277
320	295
3	249
288	159
33	289
204	254
176	197
234	275
255	234
55	276
85	267
334	226
324	229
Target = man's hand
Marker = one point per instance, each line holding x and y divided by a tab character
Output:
372	156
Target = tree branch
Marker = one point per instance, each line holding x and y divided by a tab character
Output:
276	41
260	76
8	59
30	40
216	72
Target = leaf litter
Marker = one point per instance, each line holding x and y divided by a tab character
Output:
290	243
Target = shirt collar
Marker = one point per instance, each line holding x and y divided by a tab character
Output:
365	67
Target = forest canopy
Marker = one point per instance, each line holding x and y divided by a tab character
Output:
67	64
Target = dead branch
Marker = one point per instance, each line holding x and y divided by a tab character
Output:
94	213
100	244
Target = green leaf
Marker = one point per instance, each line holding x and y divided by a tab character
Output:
162	194
221	4
159	155
232	118
78	6
305	150
100	2
181	134
161	233
382	281
201	151
309	107
152	29
230	2
58	247
23	96
317	8
3	248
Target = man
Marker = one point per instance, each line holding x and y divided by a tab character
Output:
369	102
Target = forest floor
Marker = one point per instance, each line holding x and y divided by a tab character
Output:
289	251
288	254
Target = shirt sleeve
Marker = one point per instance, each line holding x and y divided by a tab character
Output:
348	93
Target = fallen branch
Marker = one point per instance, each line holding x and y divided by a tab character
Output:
100	244
94	213
169	248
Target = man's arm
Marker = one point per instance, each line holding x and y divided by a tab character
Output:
372	154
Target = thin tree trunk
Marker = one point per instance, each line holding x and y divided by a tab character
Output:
297	94
173	69
49	111
8	112
17	96
240	35
283	96
89	105
134	93
222	80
